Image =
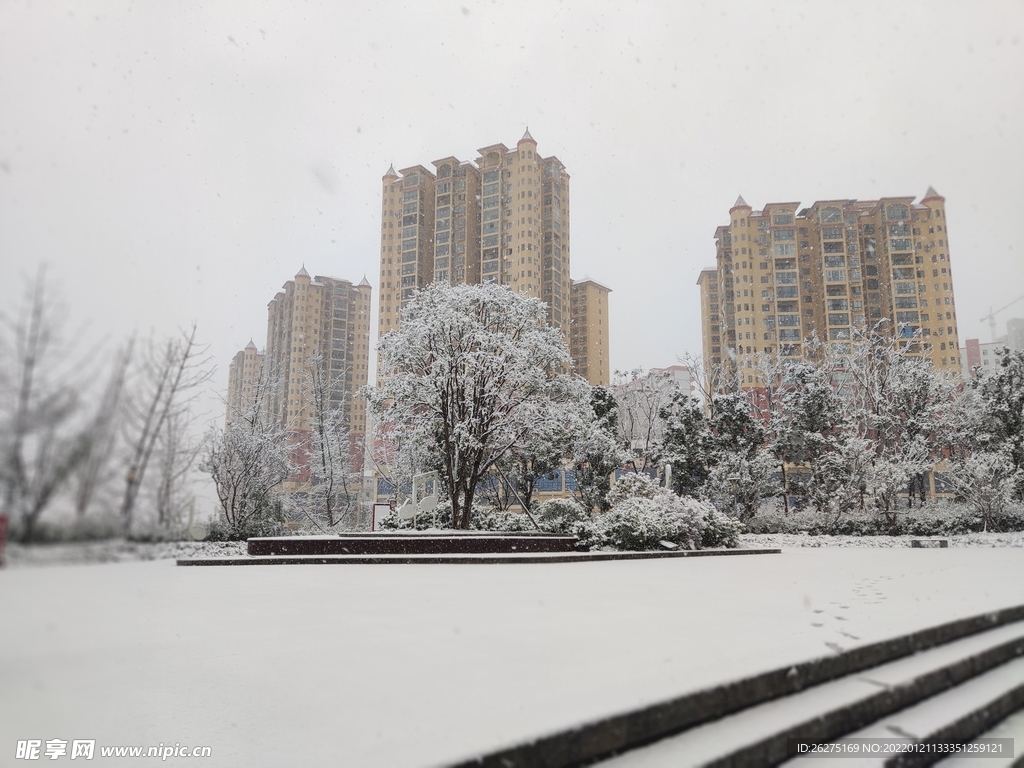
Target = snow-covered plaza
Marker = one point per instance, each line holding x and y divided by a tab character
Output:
421	665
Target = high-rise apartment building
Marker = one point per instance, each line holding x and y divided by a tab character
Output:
309	317
588	340
503	218
325	317
785	274
243	373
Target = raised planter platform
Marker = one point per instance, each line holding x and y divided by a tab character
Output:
468	559
412	543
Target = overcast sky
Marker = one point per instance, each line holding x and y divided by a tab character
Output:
173	162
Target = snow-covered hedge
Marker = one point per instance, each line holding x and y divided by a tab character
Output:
641	523
501	520
933	519
721	530
643	515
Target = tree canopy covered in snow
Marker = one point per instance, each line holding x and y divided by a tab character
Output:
473	374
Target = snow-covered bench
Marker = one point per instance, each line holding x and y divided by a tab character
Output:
930	542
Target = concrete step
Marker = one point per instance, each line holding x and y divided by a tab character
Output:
479	558
1011	727
419	543
955	716
764	734
750	721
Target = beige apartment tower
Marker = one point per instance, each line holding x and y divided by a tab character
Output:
588	340
785	274
503	218
309	317
243	373
326	317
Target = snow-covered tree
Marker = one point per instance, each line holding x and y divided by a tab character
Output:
734	429
740	480
986	482
247	461
542	452
472	372
97	475
687	445
331	493
838	477
642	395
165	384
42	437
1002	395
897	402
810	428
722	455
599	453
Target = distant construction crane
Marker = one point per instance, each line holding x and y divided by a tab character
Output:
991	316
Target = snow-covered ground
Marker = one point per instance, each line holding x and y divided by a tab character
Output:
757	540
417	665
119	551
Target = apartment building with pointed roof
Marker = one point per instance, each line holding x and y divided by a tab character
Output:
787	274
503	217
310	317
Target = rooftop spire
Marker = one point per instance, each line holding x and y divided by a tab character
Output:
527	136
932	193
740	203
302	272
364	281
391	172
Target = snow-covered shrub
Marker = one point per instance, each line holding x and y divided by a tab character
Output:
557	515
936	518
720	530
588	533
491	519
640	523
266	519
986	482
633	485
568	518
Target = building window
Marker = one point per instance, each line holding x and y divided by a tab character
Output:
896	212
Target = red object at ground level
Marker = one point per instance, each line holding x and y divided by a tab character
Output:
3	538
